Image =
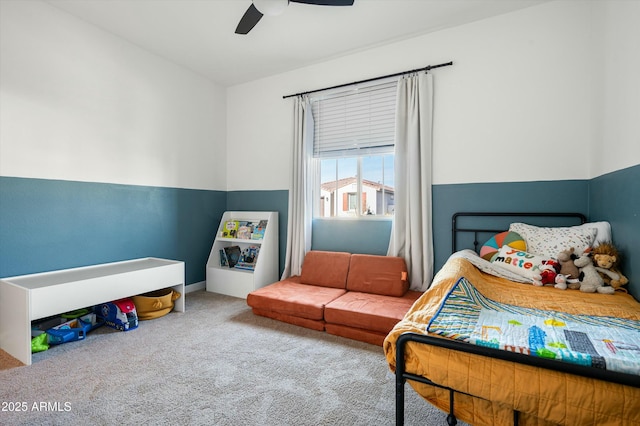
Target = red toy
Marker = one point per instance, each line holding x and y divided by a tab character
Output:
549	274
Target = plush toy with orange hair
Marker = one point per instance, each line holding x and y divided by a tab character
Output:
607	260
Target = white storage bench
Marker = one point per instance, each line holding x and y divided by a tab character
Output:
30	297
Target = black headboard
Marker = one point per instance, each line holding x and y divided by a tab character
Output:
485	224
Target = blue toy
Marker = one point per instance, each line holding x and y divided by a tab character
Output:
120	314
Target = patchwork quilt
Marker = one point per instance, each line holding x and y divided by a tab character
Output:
597	341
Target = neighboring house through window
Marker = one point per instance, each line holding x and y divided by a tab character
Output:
340	198
353	150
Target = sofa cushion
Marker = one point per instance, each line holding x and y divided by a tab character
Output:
367	336
385	275
369	311
291	319
325	268
293	298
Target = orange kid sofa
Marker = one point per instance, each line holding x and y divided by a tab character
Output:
357	296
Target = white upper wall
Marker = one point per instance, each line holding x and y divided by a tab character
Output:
77	103
520	102
618	145
544	93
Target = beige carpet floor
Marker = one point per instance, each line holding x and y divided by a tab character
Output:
215	364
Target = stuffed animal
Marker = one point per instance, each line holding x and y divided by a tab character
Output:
590	280
568	269
549	275
607	260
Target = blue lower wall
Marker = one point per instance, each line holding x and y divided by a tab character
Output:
352	236
615	197
49	224
545	196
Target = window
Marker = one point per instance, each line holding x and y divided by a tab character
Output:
353	149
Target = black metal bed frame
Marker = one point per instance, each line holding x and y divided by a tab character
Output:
402	375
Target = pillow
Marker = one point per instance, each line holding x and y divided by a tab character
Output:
603	232
506	238
520	262
325	268
384	275
548	242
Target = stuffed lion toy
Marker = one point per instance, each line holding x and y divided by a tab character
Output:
607	259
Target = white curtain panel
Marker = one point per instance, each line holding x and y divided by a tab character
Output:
300	190
411	232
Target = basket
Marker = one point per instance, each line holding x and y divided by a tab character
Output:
155	304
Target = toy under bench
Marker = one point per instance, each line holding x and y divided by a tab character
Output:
30	297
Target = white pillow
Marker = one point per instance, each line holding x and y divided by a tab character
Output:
520	262
603	232
548	242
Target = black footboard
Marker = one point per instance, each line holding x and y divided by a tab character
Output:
402	375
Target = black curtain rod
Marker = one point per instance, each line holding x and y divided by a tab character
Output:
427	68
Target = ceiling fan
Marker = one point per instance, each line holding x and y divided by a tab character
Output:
259	8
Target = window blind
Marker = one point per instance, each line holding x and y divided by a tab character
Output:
359	121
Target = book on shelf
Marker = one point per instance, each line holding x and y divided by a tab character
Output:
258	231
236	257
245	229
233	254
230	229
248	258
223	258
245	266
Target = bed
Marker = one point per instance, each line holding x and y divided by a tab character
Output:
454	348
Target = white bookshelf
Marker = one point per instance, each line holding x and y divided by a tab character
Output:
240	282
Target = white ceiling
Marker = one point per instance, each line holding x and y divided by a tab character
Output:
199	34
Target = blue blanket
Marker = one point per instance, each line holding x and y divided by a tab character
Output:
602	342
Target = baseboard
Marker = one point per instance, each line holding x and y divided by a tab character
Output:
195	287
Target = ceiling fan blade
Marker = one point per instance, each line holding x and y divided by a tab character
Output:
325	2
249	20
